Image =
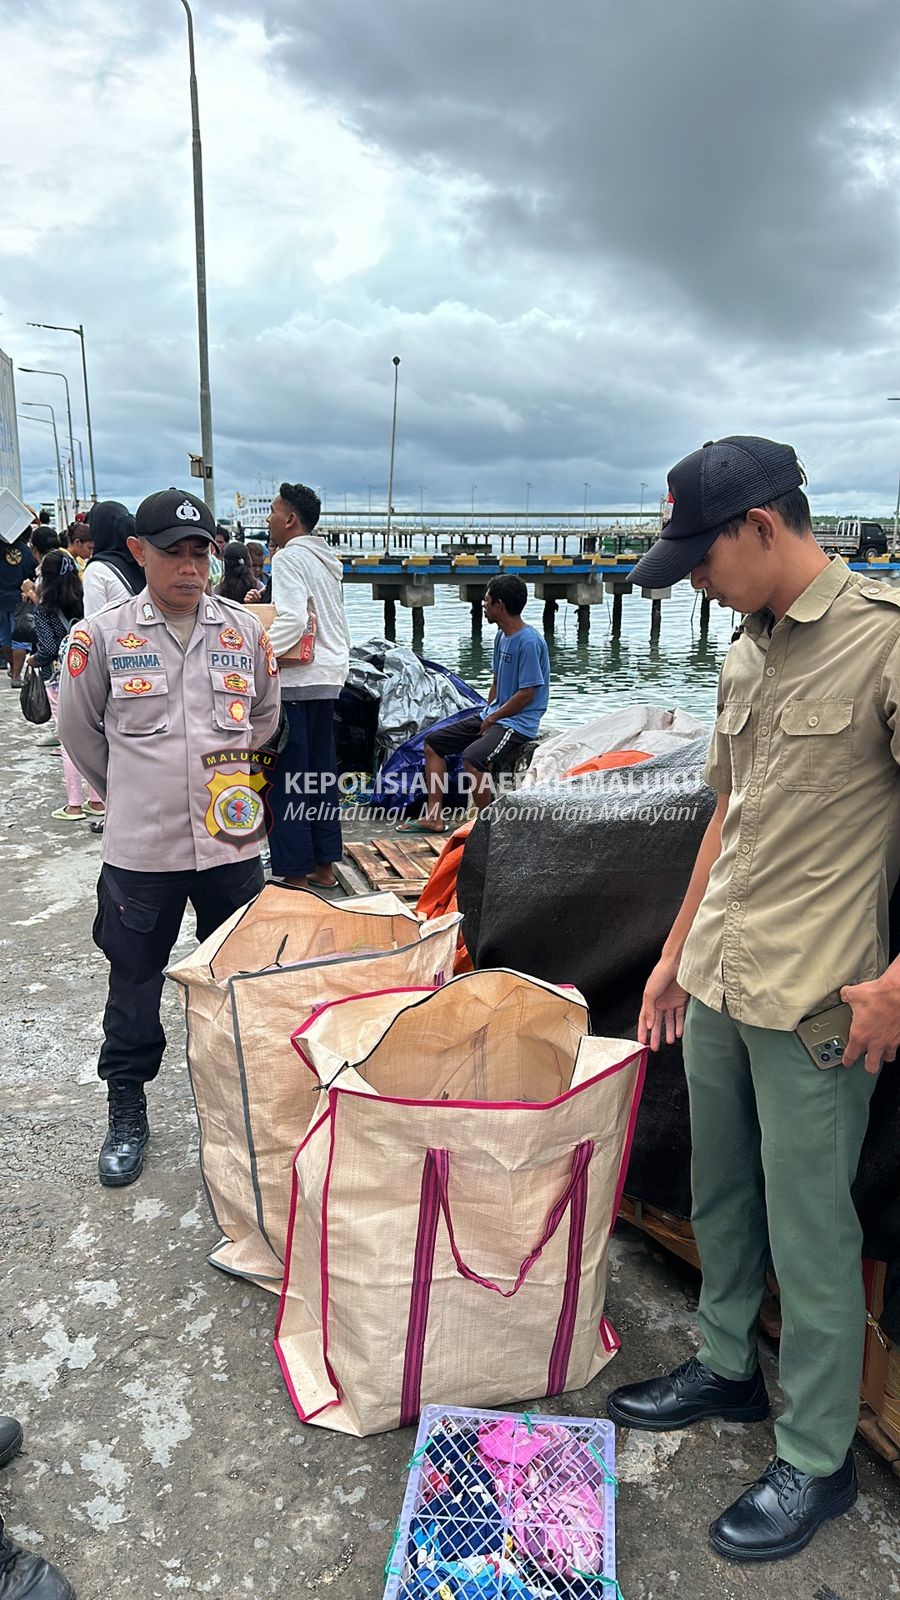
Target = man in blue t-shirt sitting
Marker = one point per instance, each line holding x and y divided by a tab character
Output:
517	701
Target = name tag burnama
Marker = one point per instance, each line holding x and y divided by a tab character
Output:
131	663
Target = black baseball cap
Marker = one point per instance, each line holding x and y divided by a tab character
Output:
172	514
707	490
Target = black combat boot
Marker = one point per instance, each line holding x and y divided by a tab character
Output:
28	1577
10	1439
122	1154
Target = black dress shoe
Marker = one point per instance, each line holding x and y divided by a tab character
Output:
27	1577
10	1439
121	1158
687	1395
779	1513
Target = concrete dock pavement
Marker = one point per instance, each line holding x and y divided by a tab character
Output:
162	1454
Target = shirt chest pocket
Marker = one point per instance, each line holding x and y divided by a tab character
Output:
734	723
815	744
232	699
141	701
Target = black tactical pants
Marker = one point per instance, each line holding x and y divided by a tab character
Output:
138	920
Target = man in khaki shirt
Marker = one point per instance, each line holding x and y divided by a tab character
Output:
785	916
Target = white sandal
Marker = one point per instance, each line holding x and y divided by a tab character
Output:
62	815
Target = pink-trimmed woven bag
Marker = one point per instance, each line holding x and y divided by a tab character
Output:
452	1203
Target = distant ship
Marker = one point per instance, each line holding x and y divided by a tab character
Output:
252	512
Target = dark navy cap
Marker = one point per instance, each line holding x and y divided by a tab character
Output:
707	490
172	514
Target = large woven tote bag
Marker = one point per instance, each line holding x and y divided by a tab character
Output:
245	990
453	1201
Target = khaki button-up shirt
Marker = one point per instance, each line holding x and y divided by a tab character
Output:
165	733
806	746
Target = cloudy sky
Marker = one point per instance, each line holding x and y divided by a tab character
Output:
597	232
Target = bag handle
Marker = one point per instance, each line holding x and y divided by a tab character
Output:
440	1161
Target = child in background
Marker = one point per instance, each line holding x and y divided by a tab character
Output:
61	604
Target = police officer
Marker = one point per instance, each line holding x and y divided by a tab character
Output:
785	917
162	699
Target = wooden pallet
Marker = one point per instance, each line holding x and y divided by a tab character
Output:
398	862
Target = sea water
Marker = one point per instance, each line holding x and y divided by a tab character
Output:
592	672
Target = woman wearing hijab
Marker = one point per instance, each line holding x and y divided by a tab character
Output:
112	572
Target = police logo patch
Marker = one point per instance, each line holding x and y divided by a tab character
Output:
236	814
76	660
271	660
235	682
81	637
137	686
130	642
186	512
237	710
230	639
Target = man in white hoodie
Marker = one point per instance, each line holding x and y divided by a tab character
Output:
310	639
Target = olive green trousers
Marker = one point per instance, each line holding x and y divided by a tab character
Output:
776	1145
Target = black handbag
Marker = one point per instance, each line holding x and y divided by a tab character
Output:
33	698
23	623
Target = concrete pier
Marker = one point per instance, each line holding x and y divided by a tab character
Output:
163	1456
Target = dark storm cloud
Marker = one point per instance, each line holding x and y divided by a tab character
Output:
737	153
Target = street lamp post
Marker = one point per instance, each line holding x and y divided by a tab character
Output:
527	502
206	436
40	405
57	327
83	479
643	487
422	504
47	372
472	498
896	538
586	487
390	504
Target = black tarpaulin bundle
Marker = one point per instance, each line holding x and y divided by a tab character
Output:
579	883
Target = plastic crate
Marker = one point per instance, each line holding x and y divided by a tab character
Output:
539	1525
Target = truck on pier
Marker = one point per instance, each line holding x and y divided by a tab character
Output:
853	538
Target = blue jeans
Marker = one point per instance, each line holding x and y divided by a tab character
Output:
303	799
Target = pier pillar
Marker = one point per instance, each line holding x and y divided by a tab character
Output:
704	612
418	625
584	619
655	616
390	619
618	596
477	616
549	613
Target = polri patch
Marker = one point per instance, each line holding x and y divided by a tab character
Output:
230	639
80	636
76	660
130	642
237	710
137	686
234	682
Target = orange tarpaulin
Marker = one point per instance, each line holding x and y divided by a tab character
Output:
440	890
613	758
